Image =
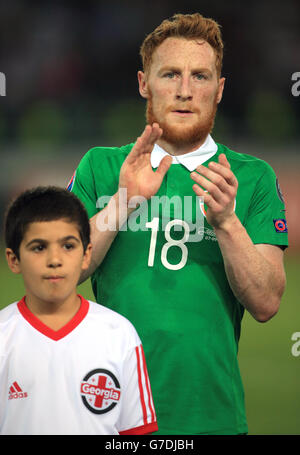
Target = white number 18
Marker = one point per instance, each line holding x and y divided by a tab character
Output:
154	225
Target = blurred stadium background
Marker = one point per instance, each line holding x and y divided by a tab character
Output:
71	84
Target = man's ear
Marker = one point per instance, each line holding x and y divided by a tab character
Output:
12	261
143	84
220	89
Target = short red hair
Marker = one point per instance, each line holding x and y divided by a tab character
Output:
188	26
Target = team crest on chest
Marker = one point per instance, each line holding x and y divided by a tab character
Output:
100	391
203	206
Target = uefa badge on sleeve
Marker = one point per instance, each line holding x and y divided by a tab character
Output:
280	225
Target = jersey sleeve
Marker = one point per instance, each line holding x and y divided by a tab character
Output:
138	414
82	184
266	221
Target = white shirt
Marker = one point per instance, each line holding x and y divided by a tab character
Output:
89	377
189	160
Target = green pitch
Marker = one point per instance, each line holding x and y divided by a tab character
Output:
271	374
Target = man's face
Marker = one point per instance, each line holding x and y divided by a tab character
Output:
183	89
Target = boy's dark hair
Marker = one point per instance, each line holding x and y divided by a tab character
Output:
49	203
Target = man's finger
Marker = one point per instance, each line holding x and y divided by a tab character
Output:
223	160
164	166
140	144
207	198
215	190
224	171
145	142
156	132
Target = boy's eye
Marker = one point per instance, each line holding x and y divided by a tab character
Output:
68	246
38	248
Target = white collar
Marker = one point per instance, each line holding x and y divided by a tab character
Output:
189	160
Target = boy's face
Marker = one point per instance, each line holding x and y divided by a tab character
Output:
51	261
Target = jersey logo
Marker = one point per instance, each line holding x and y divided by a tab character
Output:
280	225
15	391
100	391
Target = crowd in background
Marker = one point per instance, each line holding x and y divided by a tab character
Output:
71	75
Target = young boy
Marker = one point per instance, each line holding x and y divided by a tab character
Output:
67	365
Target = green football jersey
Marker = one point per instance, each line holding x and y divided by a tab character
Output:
170	282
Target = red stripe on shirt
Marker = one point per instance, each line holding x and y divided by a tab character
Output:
148	385
144	429
141	385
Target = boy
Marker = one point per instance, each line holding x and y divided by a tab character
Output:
67	365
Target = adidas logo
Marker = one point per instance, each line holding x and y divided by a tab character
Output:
15	391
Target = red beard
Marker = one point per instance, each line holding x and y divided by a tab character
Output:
190	136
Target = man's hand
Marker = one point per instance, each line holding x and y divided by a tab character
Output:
218	186
255	272
136	174
139	179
